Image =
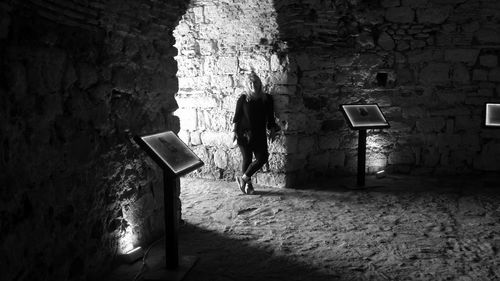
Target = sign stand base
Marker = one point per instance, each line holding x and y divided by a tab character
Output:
177	274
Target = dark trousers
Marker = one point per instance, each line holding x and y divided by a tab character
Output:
261	155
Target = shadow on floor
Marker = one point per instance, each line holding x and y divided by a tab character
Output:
223	258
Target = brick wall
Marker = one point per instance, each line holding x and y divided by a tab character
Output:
78	80
429	64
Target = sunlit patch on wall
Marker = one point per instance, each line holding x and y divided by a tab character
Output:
128	240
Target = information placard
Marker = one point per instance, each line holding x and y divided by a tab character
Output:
492	116
170	152
364	116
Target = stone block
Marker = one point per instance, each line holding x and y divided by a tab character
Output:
53	67
404	75
376	161
427	125
18	81
433	15
417	44
460	74
370	60
227	65
450	126
471	141
337	159
279	77
201	102
390	3
401	157
319	162
124	79
220	159
277	163
188	118
222	81
479	75
87	75
487	160
271	179
428	55
194	83
435	73
208	47
485	92
402	45
217	139
4	25
494	75
468	56
386	42
214	119
295	162
330	141
488	60
487	36
307	144
275	63
184	136
414	3
467	123
195	138
294	122
431	157
199	16
365	40
400	14
281	103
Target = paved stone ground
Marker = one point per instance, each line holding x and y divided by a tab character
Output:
405	228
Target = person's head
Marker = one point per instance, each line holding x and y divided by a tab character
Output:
253	87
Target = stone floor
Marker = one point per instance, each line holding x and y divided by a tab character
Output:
401	228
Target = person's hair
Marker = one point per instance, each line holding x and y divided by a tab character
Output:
252	79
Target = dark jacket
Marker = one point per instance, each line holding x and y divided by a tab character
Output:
251	118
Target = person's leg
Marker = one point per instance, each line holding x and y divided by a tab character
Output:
246	155
261	156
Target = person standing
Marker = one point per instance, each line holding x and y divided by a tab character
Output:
253	115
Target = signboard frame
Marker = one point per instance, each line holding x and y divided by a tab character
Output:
491	116
355	113
169	151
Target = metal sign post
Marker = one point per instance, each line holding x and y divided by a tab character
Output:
361	117
176	159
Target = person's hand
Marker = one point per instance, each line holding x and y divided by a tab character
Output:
235	139
273	133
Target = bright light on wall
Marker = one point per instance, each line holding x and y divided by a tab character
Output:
376	160
127	241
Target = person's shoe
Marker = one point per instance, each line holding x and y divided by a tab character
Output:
241	183
249	188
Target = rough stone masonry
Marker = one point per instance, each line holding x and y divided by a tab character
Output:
430	64
78	79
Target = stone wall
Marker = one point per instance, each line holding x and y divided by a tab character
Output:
430	65
78	80
218	42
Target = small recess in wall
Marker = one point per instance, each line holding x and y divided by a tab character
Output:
382	79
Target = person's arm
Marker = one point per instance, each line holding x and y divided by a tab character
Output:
270	113
238	112
271	123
